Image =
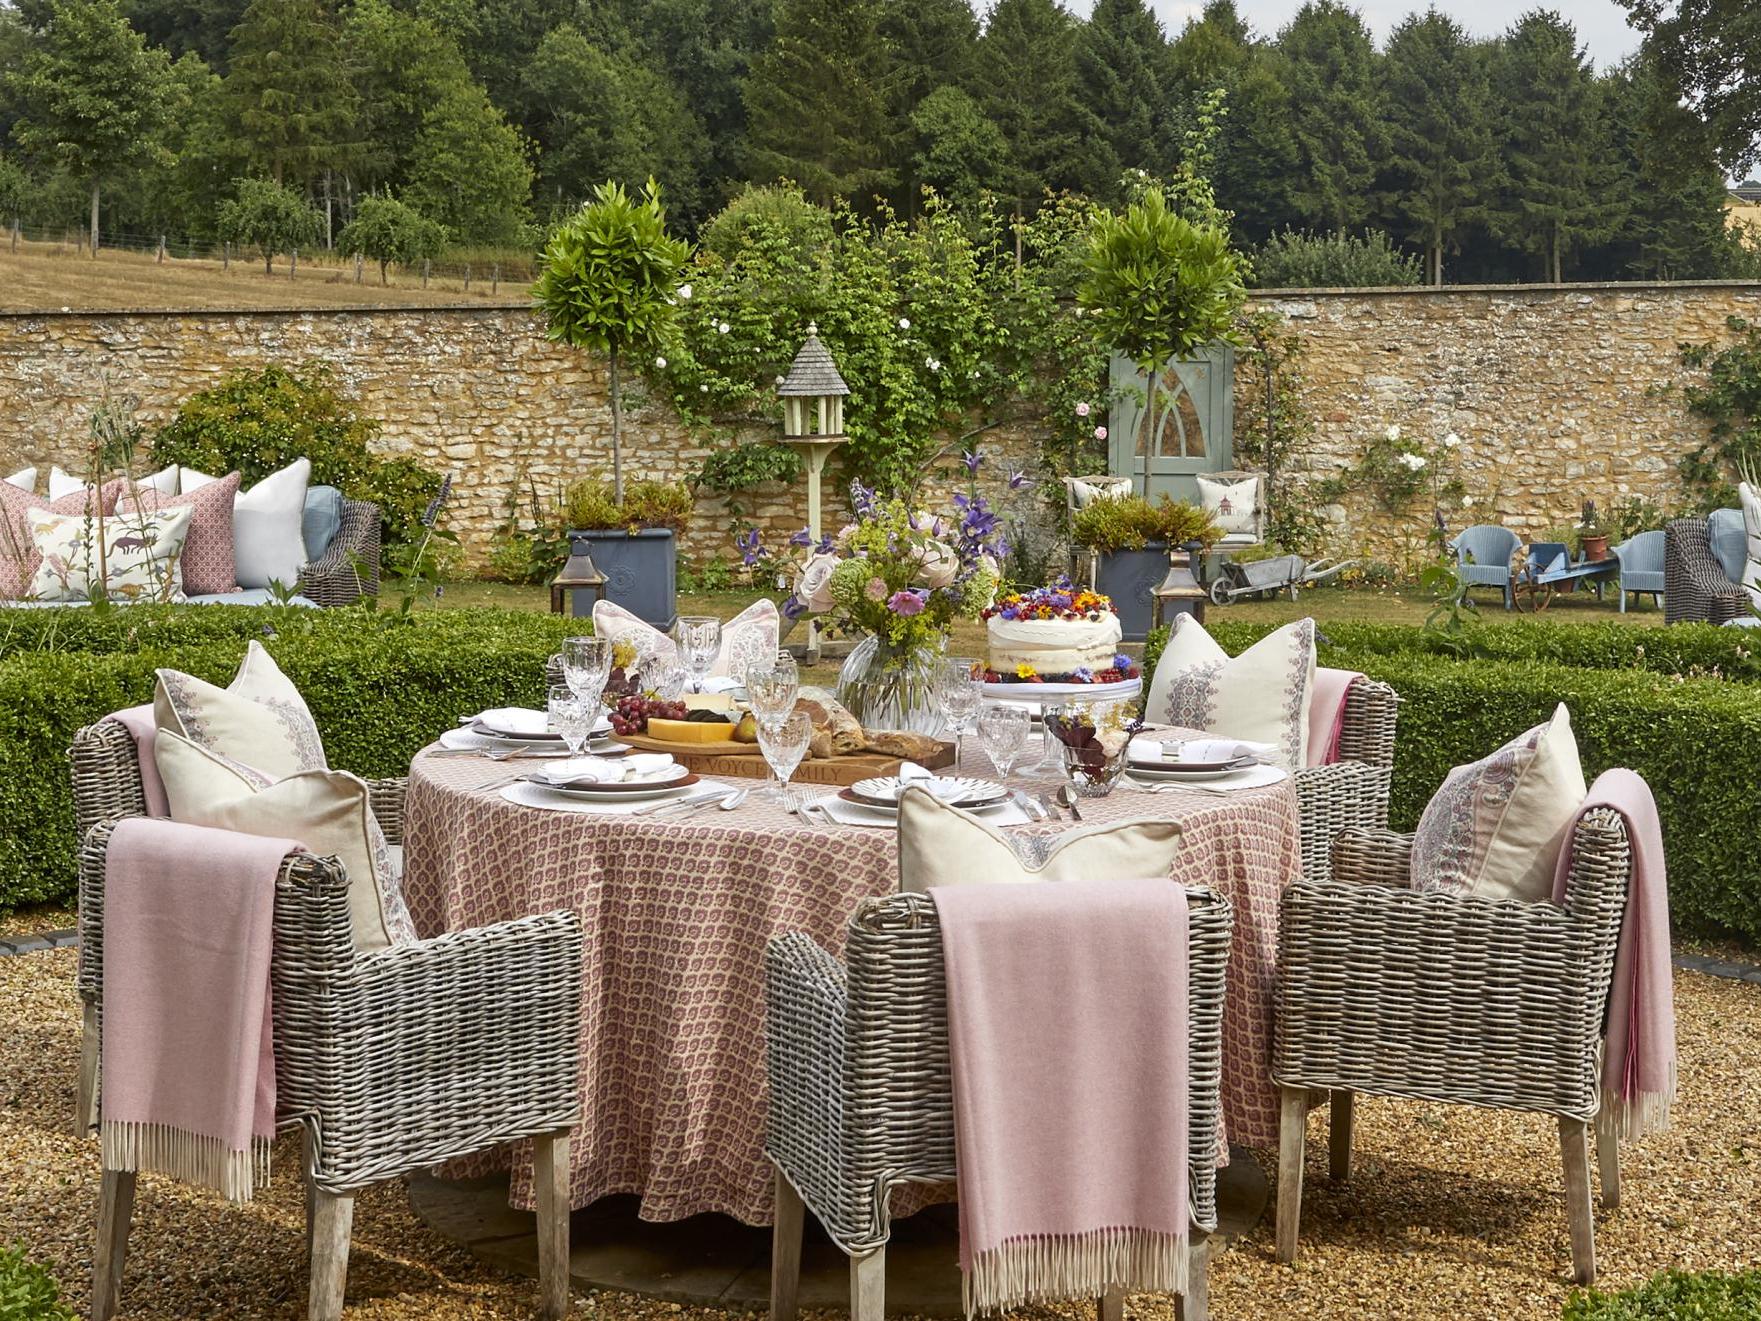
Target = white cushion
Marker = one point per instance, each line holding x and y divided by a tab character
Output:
267	543
25	479
1085	491
329	812
63	483
139	561
1262	695
941	845
1750	500
1233	506
749	636
1496	827
164	481
259	719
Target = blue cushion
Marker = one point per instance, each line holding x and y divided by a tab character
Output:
1729	543
322	519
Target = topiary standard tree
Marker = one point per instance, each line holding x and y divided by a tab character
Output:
386	230
607	282
269	218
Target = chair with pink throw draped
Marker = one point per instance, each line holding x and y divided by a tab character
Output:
861	1098
390	1061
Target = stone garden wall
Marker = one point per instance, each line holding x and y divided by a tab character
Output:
1554	392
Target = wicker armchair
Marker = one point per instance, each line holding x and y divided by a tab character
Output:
1696	587
860	1098
349	567
380	1083
1396	992
1354	790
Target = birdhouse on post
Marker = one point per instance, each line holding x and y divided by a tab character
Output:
813	425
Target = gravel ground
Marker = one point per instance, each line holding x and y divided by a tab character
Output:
35	919
1451	1213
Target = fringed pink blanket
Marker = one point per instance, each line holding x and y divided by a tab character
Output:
138	721
1327	714
1067	1021
188	1062
1638	1060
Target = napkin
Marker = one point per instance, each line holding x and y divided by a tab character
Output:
1196	749
846	813
518	720
602	770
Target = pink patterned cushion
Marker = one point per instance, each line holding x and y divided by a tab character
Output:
19	557
207	560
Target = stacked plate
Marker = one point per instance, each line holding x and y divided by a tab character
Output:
647	775
882	792
1195	761
517	725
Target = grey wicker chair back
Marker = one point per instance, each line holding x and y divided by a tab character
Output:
861	1097
1696	587
1354	791
1641	565
1440	997
349	567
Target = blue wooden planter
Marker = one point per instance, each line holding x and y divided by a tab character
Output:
1131	577
641	571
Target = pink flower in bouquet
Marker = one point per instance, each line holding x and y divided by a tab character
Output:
1082	410
813	584
876	589
905	603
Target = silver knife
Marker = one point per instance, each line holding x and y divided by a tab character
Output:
1033	810
678	804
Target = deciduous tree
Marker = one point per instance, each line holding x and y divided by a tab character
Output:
269	217
386	230
471	169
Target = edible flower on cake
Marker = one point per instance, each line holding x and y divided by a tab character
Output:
1059	633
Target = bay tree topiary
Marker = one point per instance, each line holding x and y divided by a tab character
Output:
1159	287
387	230
607	282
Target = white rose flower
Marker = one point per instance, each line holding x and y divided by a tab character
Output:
1393	432
723	328
938	563
813	583
1451	441
685	292
660	363
704	388
904	323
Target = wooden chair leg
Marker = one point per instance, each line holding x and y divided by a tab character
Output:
868	1286
85	1106
785	1251
116	1205
1608	1164
1292	1125
1195	1303
550	1176
1343	1104
1110	1306
1574	1145
332	1216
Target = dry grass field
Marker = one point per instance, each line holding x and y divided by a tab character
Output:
52	277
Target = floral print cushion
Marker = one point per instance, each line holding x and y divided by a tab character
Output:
749	636
138	563
207	563
18	555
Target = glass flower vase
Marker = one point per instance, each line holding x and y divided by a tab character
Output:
888	687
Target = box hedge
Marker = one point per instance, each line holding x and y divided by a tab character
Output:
1709	1295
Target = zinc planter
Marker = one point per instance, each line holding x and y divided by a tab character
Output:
640	568
1131	577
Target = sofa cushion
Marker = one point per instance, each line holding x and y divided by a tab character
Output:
18	553
266	536
1749	499
1232	505
1730	543
25	479
207	562
321	520
139	561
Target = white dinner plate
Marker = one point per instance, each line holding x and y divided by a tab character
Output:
673	780
1177	774
882	791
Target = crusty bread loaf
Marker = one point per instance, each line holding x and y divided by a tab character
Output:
903	743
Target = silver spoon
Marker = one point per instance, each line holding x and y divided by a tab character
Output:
1068	799
733	800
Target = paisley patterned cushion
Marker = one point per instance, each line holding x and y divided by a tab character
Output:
748	636
259	720
18	555
139	562
1262	695
207	561
1496	827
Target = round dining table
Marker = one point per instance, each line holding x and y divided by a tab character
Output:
677	909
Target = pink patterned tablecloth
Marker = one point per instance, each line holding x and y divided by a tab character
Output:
677	913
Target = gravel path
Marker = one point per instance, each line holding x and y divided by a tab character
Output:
1452	1213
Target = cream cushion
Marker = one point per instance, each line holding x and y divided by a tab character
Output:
1261	696
164	481
328	812
749	636
139	562
62	484
941	845
1086	490
258	720
1496	827
1233	506
25	479
1750	500
268	546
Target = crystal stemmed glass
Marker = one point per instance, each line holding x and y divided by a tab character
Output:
665	677
1002	730
772	686
783	745
699	638
959	696
571	717
587	665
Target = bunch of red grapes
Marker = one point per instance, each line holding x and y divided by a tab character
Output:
630	714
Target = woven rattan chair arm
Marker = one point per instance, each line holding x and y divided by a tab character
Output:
1378	857
349	567
1338	797
386	797
1366	732
807	1009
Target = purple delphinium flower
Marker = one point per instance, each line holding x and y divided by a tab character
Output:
793	608
861	499
905	603
750	551
1121	662
431	514
801	538
972	459
825	545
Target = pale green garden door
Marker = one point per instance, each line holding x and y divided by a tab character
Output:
1192	432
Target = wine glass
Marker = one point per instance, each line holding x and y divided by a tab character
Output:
571	717
665	677
587	665
783	745
959	696
772	686
699	638
1002	730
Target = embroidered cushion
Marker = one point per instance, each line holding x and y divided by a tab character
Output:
941	845
207	561
25	479
749	636
1263	695
18	554
1495	828
267	543
1086	491
1233	506
329	812
1750	500
258	720
139	560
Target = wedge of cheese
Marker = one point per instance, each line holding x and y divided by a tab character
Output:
690	731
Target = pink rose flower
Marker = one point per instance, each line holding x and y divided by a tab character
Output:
1100	433
1082	410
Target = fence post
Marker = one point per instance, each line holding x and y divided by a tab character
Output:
495	278
424	272
159	257
226	255
293	262
467	277
357	268
15	233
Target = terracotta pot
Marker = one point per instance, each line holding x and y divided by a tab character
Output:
1595	548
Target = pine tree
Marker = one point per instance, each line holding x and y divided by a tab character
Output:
403	65
1024	77
470	170
1336	123
289	86
930	46
1123	68
1441	142
1556	146
817	105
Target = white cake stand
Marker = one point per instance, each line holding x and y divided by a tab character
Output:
1039	696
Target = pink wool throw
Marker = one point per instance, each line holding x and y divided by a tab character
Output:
1067	1026
188	1061
138	721
1327	714
1638	1057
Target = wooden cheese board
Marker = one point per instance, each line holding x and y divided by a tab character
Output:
744	759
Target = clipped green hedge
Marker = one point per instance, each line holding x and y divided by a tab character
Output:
1699	1295
378	691
27	1291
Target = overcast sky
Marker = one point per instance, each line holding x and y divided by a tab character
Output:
1601	24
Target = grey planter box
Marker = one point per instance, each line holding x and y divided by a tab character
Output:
1131	577
641	571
